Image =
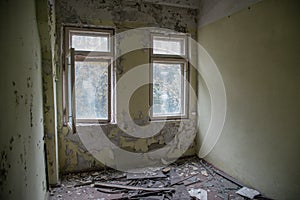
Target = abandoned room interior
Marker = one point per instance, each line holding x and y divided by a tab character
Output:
150	99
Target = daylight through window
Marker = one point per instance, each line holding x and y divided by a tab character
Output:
169	74
88	90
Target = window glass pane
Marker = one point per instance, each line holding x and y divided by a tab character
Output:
167	89
90	43
91	90
169	46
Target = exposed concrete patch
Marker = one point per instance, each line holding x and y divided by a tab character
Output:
123	141
68	151
141	145
82	163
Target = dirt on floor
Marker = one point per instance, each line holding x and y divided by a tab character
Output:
187	178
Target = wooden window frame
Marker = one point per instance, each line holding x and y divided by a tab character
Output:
185	73
79	56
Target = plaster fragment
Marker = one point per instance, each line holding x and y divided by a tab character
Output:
141	144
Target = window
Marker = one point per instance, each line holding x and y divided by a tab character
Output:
88	75
169	75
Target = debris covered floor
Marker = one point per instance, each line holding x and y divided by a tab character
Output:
189	178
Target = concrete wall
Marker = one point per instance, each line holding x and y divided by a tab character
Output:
123	15
257	53
22	163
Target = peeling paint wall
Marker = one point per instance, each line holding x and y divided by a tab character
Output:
46	26
123	15
22	163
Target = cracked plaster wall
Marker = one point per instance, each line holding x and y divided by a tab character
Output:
22	163
46	26
123	15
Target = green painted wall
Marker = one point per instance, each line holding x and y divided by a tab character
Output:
257	53
22	164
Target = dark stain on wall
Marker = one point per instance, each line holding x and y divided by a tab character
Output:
3	175
17	97
21	158
30	110
11	143
3	169
122	12
180	28
29	82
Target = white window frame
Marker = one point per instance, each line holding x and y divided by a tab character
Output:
183	60
71	55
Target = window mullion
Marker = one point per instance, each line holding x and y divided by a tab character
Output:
72	56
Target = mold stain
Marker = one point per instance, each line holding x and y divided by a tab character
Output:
29	83
43	185
30	110
17	97
3	170
11	143
21	158
25	162
180	28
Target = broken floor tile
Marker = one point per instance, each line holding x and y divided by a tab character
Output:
204	172
174	177
198	193
181	193
248	192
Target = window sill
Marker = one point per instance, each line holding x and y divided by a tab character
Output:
91	124
95	123
170	120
